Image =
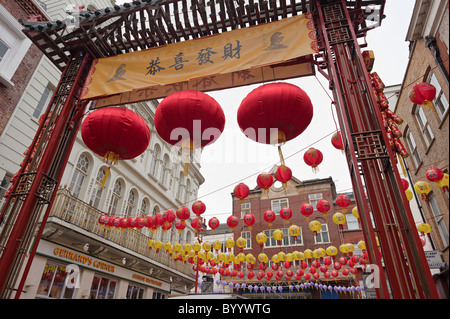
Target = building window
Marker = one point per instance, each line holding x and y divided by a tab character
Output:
97	189
422	121
322	235
115	198
245	209
439	218
79	175
247	235
102	288
352	222
130	204
440	101
135	292
164	170
3	49
278	204
143	208
43	101
413	148
314	198
180	187
53	283
155	160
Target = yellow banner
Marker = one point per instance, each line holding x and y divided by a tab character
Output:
239	57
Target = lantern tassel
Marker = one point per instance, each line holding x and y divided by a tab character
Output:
105	177
186	166
281	156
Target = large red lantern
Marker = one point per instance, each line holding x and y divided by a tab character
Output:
265	181
283	174
343	201
434	174
269	217
213	223
180	225
306	210
249	220
198	208
286	214
241	191
182	118
313	157
115	133
183	213
336	140
275	113
168	216
323	206
196	223
232	222
423	93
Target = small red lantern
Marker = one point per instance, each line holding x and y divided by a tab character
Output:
103	220
158	220
336	140
423	93
213	223
249	220
166	226
115	133
183	213
168	216
198	208
323	206
196	223
306	210
283	174
269	217
434	174
180	225
286	214
405	184
241	191
232	222
265	181
343	201
313	157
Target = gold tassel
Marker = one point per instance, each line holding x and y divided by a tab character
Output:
105	178
187	146
281	156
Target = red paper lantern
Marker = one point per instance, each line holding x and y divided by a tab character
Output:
265	181
213	223
168	216
343	201
115	133
182	118
323	206
198	208
336	140
269	216
180	224
434	174
286	214
166	226
283	174
405	184
232	222
313	157
249	220
423	93
158	220
241	191
183	213
275	113
103	220
306	210
196	223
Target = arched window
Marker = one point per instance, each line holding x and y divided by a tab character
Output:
97	191
79	175
143	208
164	170
131	203
155	160
156	210
115	197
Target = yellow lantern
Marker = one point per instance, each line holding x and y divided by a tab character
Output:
361	245
201	254
176	247
229	257
316	253
196	246
217	245
278	236
158	245
422	188
191	253
261	238
240	258
355	212
315	226
262	257
250	259
331	251
167	246
424	228
339	219
275	259
289	257
350	248
206	246
187	247
308	253
151	243
298	255
241	242
229	243
409	194
294	230
221	256
281	256
209	255
343	248
443	183
175	255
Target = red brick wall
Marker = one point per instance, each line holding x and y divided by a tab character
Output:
9	97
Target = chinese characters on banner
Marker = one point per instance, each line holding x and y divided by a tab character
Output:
277	50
